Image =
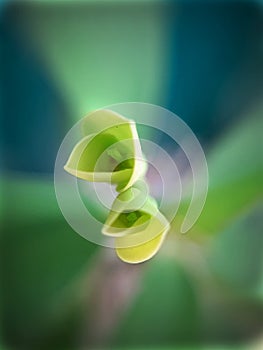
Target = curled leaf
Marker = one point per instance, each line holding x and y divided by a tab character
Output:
88	161
110	151
137	225
152	236
130	211
142	252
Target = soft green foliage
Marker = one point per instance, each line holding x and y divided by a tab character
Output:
106	47
44	261
236	254
163	314
235	176
40	260
203	287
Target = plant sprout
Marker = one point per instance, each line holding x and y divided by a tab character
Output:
110	152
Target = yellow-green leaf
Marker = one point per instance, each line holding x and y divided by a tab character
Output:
137	225
131	212
109	152
89	162
153	236
142	252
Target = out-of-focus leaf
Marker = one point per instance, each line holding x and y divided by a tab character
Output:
164	311
28	199
235	176
41	258
236	255
81	67
195	347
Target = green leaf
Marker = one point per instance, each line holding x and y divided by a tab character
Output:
163	312
137	224
142	252
91	71
235	176
236	255
109	152
41	258
131	212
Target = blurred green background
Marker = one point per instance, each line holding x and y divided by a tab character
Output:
203	60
